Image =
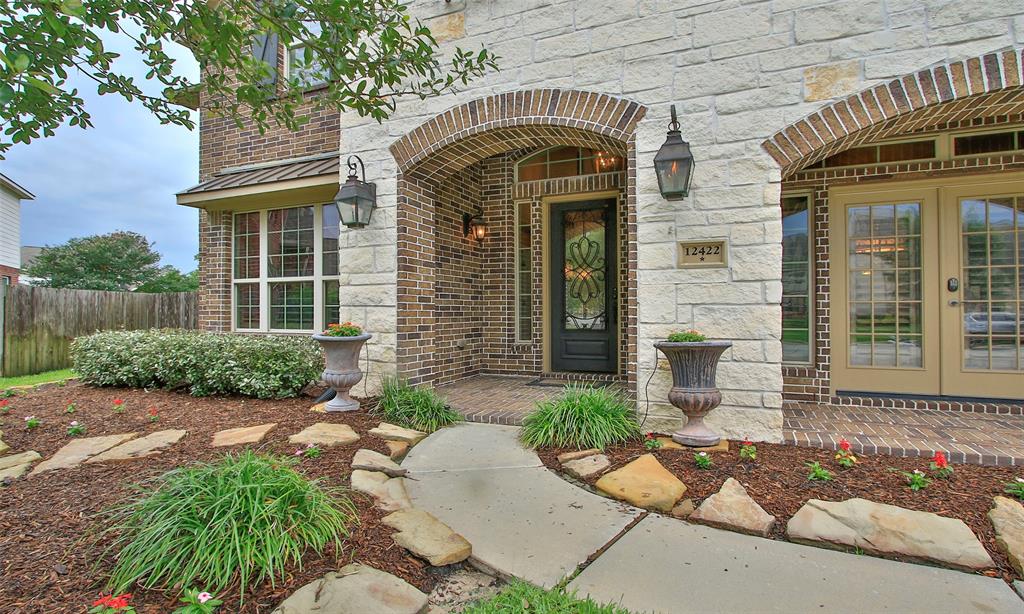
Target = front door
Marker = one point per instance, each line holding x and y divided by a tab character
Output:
583	286
928	289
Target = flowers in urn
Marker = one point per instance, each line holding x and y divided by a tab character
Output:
693	361
345	329
689	336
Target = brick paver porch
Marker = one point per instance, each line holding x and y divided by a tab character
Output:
966	437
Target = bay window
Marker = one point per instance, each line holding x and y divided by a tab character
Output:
285	265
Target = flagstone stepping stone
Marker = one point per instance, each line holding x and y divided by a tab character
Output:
138	448
587	466
668	444
644	483
881	529
394	432
245	434
368	460
355	589
325	433
15	465
1007	518
74	453
427	537
389	493
732	508
397	449
1018	585
565	457
683	509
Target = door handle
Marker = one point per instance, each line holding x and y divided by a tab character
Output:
953	302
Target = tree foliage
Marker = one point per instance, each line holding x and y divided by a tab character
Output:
119	261
170	279
368	52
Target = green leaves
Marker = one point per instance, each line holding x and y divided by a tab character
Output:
245	519
413	407
369	52
582	417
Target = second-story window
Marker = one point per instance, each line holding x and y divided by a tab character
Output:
300	64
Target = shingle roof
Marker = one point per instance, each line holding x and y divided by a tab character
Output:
326	164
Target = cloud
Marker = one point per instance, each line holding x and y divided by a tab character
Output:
121	174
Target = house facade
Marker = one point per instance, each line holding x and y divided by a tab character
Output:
855	224
11	195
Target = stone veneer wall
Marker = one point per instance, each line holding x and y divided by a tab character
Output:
738	74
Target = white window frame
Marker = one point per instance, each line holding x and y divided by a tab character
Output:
264	281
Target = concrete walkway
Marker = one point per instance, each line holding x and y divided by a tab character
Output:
525	521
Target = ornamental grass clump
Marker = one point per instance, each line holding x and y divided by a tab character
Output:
581	417
236	522
415	407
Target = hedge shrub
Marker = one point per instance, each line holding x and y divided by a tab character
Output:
204	363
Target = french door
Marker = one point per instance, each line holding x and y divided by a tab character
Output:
927	284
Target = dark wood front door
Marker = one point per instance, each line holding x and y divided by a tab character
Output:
583	286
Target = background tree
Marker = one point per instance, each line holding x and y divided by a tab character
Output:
170	279
368	53
119	261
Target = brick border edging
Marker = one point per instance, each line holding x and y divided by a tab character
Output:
810	139
828	442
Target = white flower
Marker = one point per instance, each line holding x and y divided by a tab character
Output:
74	423
702	454
27	418
1021	480
203	597
918	472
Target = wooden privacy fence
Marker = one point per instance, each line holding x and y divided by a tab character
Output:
37	325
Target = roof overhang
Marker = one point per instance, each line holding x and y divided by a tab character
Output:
22	193
301	181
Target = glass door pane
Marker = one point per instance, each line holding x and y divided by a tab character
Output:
991	274
884	303
585	270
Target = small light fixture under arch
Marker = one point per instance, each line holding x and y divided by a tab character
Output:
674	163
356	199
473	225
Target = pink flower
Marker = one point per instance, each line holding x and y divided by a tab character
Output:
203	597
298	453
74	423
27	418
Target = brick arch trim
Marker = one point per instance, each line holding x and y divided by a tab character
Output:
900	105
470	132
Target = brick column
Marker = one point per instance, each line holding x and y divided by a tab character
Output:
215	271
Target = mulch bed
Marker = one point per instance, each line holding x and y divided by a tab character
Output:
48	561
778	482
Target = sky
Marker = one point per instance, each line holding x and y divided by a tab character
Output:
121	174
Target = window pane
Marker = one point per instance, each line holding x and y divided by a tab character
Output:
983	143
247	306
918	150
332	225
291	305
524	278
290	242
796	284
332	303
309	71
247	245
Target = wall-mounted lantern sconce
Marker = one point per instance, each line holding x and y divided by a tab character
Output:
473	226
674	163
356	199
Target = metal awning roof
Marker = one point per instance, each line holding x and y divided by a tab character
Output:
288	170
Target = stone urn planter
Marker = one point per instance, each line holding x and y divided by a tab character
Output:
342	368
694	364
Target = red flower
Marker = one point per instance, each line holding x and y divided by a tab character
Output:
844	445
118	401
940	460
650	435
4	403
110	601
747	442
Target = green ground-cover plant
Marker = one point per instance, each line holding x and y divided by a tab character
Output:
582	417
1015	488
200	362
702	460
818	473
522	598
238	521
689	336
416	407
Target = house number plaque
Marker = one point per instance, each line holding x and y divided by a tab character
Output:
696	254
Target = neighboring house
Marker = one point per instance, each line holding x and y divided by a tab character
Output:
858	194
11	195
29	253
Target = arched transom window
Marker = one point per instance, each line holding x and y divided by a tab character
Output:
558	162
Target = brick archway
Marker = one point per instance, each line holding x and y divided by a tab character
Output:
973	89
438	163
470	132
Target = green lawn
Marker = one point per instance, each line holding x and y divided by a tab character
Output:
522	598
38	378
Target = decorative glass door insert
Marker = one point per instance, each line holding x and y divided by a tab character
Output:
585	270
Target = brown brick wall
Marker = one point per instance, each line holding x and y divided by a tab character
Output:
7	271
215	270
